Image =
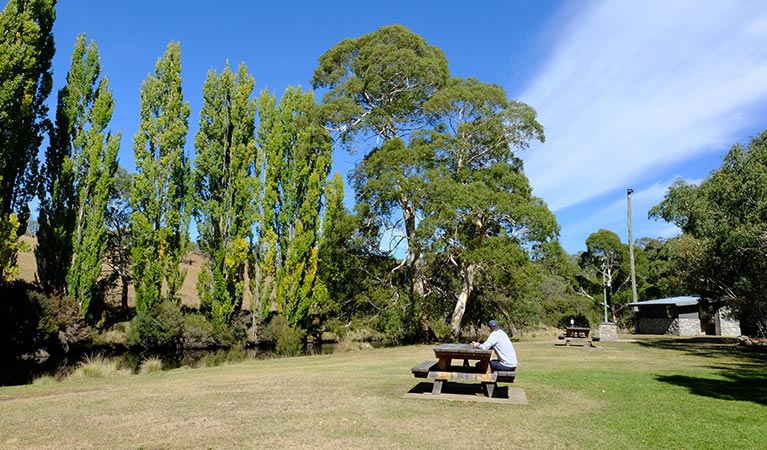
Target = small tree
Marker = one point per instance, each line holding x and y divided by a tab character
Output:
606	259
118	223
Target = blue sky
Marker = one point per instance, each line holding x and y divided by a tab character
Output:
632	94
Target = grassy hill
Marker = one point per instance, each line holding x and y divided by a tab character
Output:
188	292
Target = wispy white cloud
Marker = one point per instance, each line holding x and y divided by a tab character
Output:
634	88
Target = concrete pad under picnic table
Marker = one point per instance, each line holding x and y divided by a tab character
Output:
469	393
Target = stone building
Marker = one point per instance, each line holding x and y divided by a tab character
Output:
681	316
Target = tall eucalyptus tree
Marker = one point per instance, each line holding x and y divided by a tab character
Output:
480	210
376	86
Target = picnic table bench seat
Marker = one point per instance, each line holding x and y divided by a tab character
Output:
431	370
506	376
422	370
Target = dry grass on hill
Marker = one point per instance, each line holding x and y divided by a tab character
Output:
192	263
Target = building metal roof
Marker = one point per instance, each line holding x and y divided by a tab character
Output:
676	301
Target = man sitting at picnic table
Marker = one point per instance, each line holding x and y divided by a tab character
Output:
499	342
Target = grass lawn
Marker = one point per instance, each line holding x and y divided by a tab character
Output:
652	393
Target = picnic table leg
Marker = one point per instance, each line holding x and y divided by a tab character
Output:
489	388
437	388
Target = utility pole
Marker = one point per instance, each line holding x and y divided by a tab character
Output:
631	250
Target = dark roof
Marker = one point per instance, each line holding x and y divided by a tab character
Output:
676	301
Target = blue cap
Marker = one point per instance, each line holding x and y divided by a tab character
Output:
493	324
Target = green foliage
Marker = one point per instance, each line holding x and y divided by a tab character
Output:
479	200
78	180
20	313
724	220
30	319
361	281
377	83
26	50
295	161
225	185
376	86
441	328
118	224
288	341
61	322
442	174
161	198
606	269
160	327
198	331
9	247
657	275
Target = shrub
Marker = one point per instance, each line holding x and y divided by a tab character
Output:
61	321
334	330
19	318
288	341
117	336
160	327
441	329
198	331
223	356
392	325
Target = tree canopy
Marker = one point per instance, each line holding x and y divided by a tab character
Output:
723	248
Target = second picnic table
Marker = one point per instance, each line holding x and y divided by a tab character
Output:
576	335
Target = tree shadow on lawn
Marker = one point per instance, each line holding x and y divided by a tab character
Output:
743	385
744	381
710	346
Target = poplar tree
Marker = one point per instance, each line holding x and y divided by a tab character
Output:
78	179
26	50
295	161
161	195
225	185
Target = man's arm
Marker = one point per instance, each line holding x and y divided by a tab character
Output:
487	345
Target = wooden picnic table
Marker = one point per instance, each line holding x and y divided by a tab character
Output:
576	336
475	367
446	353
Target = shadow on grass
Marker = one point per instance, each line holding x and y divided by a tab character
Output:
709	346
474	389
743	380
742	385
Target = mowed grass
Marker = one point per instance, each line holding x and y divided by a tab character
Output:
655	393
